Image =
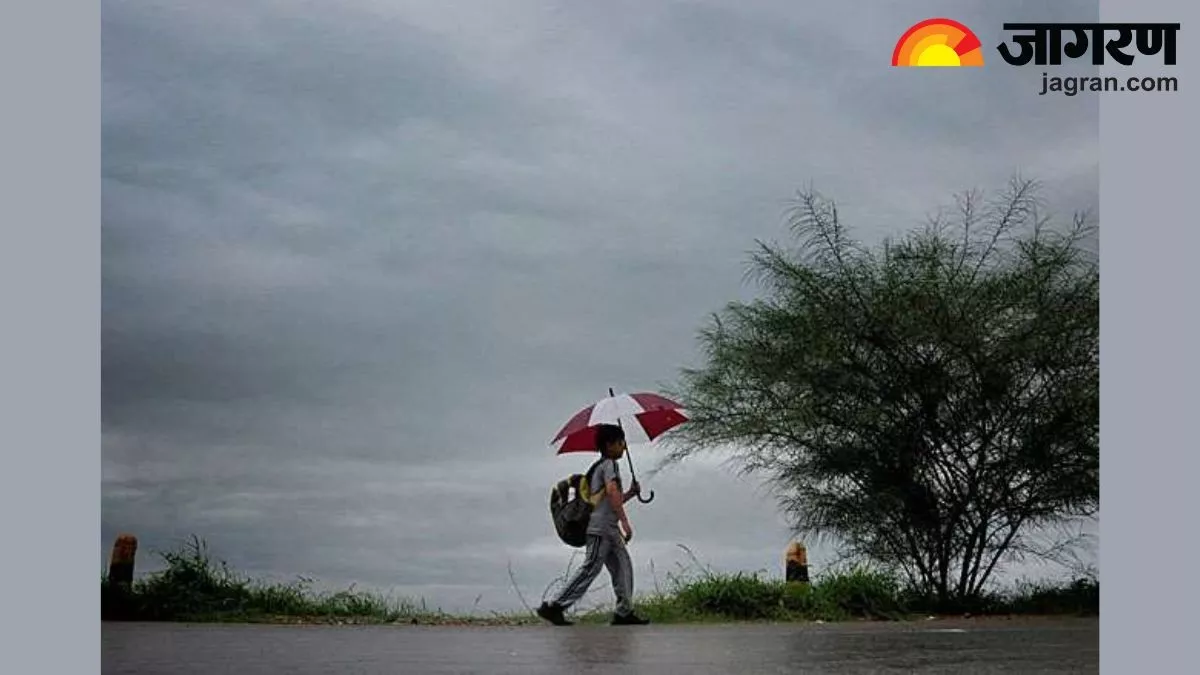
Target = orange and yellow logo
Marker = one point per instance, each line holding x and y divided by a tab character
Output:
938	42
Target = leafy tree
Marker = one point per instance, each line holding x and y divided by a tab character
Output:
931	403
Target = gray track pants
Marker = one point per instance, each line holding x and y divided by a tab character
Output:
602	551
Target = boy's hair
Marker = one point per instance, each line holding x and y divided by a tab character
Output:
606	434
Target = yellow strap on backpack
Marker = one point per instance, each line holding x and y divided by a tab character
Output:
585	489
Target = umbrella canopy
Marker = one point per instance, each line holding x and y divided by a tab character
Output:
645	416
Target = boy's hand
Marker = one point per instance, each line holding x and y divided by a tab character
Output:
634	490
628	533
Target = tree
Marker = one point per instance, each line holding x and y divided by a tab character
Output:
930	404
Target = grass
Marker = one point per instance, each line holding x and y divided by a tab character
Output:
697	594
194	587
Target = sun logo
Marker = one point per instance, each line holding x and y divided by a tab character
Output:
938	42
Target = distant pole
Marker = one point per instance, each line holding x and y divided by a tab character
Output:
120	566
796	563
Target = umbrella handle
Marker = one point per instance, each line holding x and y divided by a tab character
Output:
633	476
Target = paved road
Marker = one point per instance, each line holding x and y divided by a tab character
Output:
979	648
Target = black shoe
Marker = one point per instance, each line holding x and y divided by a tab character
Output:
630	619
553	614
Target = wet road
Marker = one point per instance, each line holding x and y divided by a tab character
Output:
1049	646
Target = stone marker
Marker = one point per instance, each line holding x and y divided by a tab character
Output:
796	563
120	566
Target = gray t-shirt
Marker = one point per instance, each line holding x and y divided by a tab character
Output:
604	519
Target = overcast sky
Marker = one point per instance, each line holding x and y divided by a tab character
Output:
362	259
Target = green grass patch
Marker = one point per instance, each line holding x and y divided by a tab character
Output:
702	596
697	594
194	587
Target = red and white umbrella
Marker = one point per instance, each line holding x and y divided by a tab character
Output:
643	416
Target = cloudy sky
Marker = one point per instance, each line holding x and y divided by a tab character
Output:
361	259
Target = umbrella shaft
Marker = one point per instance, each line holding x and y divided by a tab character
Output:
632	475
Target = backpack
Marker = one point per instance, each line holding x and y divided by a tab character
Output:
571	515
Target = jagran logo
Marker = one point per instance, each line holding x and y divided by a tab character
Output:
945	42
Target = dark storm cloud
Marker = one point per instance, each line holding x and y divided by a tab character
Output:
362	259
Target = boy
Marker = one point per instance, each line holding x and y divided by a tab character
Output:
605	540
